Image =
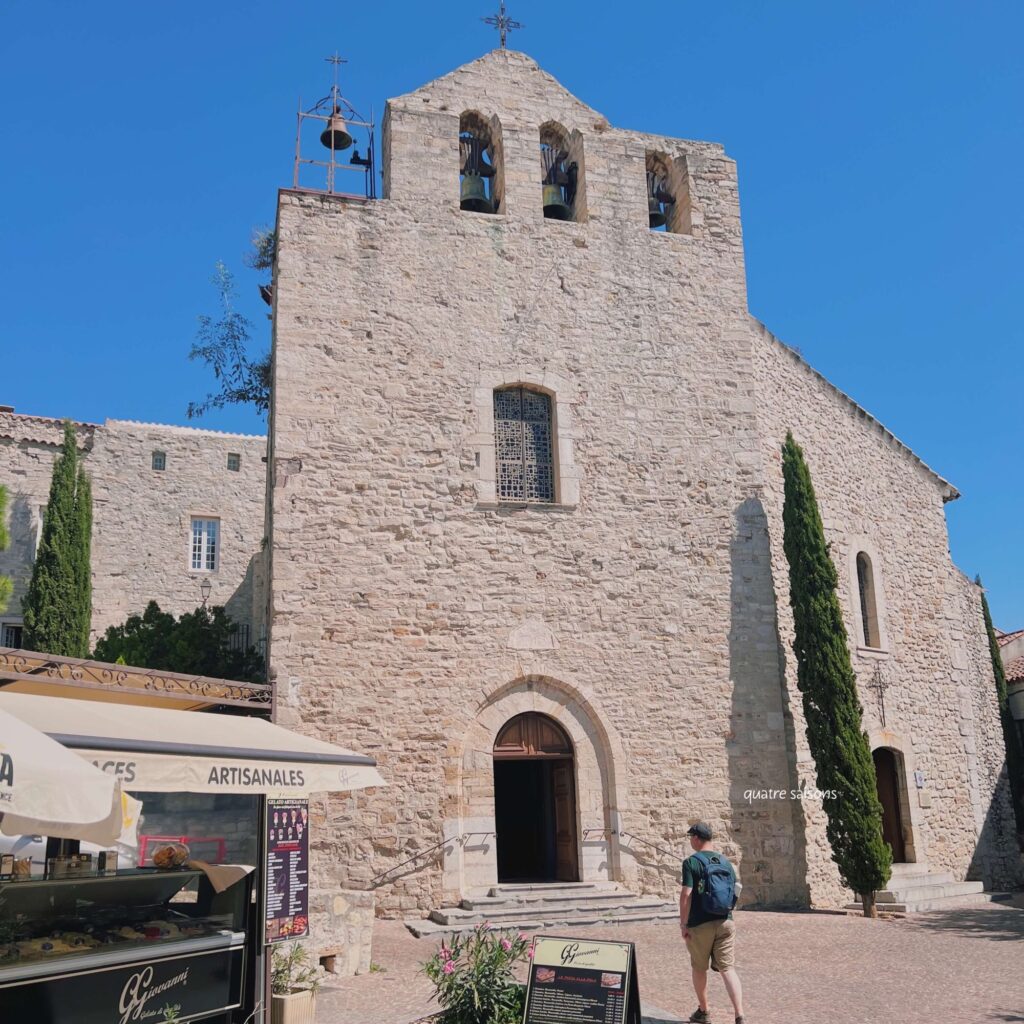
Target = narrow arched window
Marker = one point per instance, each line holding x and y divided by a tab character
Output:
524	457
480	174
868	604
561	166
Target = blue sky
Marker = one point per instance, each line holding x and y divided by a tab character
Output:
880	148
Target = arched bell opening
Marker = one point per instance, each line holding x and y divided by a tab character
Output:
481	177
668	194
562	179
535	801
891	782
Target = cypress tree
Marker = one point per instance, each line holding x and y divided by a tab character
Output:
1011	737
825	677
57	608
6	584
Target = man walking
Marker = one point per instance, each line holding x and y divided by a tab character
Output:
705	919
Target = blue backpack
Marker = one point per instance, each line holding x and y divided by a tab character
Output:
717	888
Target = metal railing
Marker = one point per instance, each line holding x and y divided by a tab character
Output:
461	838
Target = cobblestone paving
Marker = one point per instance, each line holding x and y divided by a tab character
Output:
963	965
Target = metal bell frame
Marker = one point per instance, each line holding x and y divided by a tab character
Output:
473	192
338	118
556	183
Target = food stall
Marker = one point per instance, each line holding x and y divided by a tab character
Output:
94	944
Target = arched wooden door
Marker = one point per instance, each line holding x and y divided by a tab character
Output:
535	801
887	774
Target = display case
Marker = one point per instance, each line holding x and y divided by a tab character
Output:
121	947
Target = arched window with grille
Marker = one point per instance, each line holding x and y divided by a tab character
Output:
524	453
868	603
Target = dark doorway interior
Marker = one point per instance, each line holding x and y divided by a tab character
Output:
524	811
888	776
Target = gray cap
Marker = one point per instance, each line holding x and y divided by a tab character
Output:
702	830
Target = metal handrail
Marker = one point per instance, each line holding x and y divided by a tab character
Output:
461	838
631	835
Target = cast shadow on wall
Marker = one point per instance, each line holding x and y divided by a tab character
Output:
761	746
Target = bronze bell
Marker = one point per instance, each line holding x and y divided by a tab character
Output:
473	195
555	206
655	213
335	136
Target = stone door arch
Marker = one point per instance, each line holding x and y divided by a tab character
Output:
598	764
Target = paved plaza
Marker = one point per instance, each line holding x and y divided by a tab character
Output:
958	965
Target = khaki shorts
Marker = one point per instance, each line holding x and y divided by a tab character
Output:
712	941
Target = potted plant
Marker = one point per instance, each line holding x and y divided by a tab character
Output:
293	985
474	977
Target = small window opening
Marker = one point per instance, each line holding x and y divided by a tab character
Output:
234	461
159	461
480	179
868	606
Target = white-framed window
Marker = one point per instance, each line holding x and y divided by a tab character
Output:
159	461
10	634
205	544
234	461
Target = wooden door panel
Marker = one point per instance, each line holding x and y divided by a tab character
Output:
566	862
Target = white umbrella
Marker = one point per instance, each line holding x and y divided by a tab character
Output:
46	789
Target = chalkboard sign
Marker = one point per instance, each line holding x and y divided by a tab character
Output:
582	981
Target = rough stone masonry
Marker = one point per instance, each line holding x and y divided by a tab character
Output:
412	613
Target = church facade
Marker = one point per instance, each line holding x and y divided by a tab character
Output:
524	527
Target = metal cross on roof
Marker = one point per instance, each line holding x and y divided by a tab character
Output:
337	60
502	22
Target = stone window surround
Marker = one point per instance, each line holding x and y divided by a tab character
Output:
859	545
567	475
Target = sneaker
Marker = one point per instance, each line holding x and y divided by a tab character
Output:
700	1016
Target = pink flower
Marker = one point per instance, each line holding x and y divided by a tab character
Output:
449	966
529	953
523	936
446	953
506	945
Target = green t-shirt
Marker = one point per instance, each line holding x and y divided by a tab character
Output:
693	875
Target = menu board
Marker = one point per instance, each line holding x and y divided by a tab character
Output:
578	981
287	870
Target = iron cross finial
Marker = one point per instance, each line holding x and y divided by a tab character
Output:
337	60
502	22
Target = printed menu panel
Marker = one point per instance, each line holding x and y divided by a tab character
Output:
577	981
287	870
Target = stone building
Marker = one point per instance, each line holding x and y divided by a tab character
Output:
524	521
172	506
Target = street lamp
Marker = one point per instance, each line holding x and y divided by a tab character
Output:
204	588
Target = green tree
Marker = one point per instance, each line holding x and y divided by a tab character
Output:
1011	737
6	583
224	342
825	677
199	643
57	607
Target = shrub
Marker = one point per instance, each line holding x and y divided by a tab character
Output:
291	970
473	977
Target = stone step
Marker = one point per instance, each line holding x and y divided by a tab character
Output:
919	877
595	898
434	930
916	890
941	903
510	916
517	889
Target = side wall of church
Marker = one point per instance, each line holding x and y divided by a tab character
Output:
412	615
141	516
940	711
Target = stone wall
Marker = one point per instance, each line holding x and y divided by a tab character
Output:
876	496
142	517
411	614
